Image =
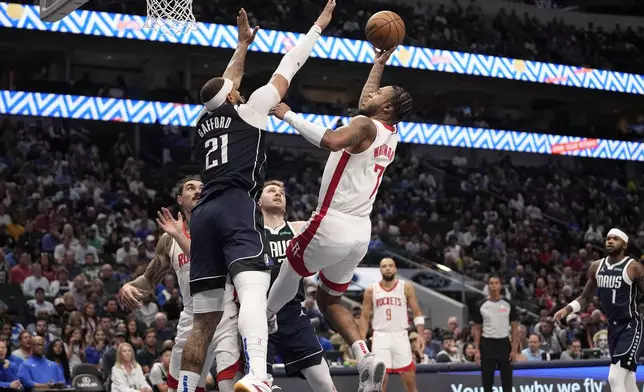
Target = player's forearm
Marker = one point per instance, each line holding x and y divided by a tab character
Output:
476	333
514	333
142	284
235	69
313	133
581	303
373	82
184	244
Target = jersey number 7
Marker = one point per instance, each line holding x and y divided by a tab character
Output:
380	170
217	143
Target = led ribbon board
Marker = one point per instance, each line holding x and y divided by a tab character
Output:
341	49
147	112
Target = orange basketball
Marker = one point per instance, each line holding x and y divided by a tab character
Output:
385	29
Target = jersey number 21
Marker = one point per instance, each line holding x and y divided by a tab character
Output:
218	143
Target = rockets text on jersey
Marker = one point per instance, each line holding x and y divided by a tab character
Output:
350	181
181	266
390	308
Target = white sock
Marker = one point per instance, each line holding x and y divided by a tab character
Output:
252	287
319	377
188	381
631	382
360	350
617	378
295	58
284	288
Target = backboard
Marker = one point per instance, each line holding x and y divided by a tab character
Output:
55	10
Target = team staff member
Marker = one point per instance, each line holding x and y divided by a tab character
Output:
493	318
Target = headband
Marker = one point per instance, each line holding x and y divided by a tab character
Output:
619	234
220	98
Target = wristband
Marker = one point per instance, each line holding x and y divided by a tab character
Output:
311	132
575	305
420	320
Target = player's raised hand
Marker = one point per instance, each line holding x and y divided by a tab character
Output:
561	314
280	110
245	34
382	56
131	296
165	220
327	13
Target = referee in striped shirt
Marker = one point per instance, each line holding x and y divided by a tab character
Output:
494	317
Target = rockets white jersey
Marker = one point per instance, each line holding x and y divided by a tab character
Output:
350	181
390	308
181	265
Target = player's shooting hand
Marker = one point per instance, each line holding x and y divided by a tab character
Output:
245	34
165	220
131	296
280	110
561	314
382	56
327	13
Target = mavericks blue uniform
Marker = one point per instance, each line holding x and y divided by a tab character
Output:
225	226
295	340
618	295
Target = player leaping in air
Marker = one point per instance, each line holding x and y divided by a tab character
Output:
617	280
227	233
337	236
173	252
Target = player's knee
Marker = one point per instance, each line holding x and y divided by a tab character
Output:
616	376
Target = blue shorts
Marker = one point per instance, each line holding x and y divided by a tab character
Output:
295	342
625	342
227	237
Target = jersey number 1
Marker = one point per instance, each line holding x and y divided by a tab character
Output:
212	145
614	295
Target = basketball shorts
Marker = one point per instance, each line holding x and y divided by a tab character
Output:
227	238
224	348
332	243
625	343
394	349
295	342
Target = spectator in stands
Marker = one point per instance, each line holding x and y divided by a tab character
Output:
84	249
9	370
73	268
42	329
95	350
24	346
112	309
419	357
76	348
147	311
601	342
469	353
39	305
127	375
432	347
22	271
133	336
449	353
90	321
48	270
159	372
63	249
125	250
50	240
163	332
573	352
39	372
5	268
147	355
534	352
61	285
35	281
109	357
56	352
90	269
110	282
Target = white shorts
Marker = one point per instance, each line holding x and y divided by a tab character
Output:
224	348
333	243
394	349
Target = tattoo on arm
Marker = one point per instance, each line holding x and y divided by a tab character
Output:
235	69
348	135
158	268
372	84
590	288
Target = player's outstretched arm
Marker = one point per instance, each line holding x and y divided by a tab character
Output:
586	296
359	129
365	314
245	36
157	269
375	76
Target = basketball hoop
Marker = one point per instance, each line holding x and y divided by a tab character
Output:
170	17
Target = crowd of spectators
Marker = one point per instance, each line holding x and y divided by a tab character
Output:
75	225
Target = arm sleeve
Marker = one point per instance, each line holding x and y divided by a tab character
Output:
514	316
477	317
255	111
25	376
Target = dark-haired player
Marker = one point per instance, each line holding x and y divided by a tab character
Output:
227	234
173	252
617	279
295	341
337	236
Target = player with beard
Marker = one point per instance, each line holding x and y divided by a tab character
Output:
385	304
617	279
295	341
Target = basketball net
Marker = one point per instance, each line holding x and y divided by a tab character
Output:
170	17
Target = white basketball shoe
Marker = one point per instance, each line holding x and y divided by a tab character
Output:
372	374
250	383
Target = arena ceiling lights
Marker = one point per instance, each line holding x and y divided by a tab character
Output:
269	41
147	112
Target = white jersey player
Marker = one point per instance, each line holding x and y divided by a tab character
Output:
173	252
385	304
337	236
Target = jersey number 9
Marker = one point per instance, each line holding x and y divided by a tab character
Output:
218	143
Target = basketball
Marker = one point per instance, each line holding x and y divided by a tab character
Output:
385	29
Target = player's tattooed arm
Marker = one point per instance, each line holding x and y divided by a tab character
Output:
375	76
245	36
365	314
360	128
586	296
158	268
